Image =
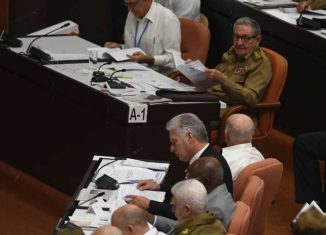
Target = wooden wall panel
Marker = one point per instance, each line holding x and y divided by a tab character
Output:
3	13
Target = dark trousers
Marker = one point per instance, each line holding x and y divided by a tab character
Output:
307	150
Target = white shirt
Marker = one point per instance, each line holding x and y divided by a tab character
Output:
158	34
240	156
189	9
198	154
153	231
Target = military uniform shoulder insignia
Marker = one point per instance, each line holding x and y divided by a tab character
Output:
257	55
185	231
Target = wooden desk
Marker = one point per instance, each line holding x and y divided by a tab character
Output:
305	51
50	121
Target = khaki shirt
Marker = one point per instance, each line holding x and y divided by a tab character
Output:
204	224
318	4
246	79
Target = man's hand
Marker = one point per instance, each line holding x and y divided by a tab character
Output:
178	76
215	75
302	6
112	45
148	185
140	57
140	201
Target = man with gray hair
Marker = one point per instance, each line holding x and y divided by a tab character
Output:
244	72
239	152
189	204
209	172
189	141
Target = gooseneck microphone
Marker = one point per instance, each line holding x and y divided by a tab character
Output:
11	41
132	154
38	53
72	207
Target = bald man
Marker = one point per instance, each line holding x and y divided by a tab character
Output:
239	152
107	230
132	220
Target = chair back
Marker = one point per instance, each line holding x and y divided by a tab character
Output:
270	171
195	38
239	223
273	92
252	196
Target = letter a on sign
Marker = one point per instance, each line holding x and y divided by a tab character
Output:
137	114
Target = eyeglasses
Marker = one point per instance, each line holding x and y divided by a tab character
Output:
244	39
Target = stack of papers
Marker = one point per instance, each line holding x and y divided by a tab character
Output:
145	98
262	4
116	53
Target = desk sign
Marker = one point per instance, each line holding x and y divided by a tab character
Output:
137	113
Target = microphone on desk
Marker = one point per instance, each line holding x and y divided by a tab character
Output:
10	41
307	23
132	154
70	208
37	53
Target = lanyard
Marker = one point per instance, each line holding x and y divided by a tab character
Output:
136	44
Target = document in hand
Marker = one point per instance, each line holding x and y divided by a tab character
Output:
195	72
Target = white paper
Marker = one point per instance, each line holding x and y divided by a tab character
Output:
116	53
195	72
307	207
126	174
150	165
65	57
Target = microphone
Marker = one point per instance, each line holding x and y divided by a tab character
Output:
132	154
38	53
307	23
69	209
11	41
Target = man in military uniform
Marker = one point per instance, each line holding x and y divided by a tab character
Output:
311	4
189	203
244	72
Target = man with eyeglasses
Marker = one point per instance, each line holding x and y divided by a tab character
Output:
154	29
245	71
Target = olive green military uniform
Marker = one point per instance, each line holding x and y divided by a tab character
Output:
317	4
204	224
246	79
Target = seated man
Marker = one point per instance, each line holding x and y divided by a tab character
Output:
239	152
189	141
311	4
189	203
245	71
107	230
308	149
209	172
189	9
132	220
154	29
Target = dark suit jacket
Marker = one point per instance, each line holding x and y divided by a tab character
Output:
165	209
